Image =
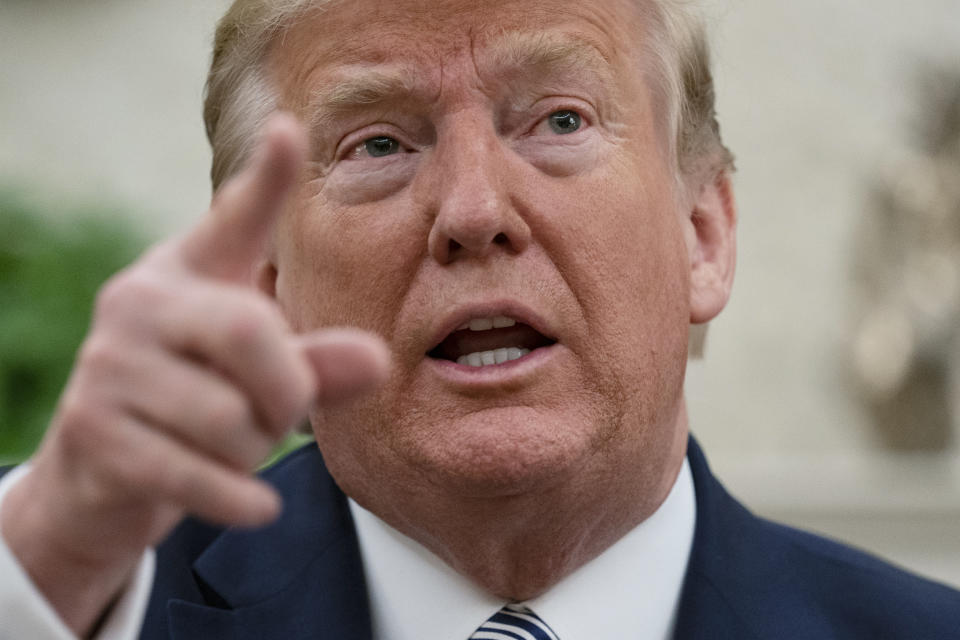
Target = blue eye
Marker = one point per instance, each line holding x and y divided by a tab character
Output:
379	146
565	121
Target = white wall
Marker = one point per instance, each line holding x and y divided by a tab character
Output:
815	97
101	101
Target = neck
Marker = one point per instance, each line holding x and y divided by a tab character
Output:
519	546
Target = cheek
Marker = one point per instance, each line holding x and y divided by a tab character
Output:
364	181
624	247
624	257
342	266
564	157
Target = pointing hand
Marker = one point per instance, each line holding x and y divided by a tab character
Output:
187	379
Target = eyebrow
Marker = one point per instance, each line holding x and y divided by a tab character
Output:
542	55
550	55
364	87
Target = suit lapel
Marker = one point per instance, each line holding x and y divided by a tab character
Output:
297	578
723	575
303	576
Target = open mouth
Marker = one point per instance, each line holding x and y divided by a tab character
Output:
483	342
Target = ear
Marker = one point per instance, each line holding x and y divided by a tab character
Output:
712	246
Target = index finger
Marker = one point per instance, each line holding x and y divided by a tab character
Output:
231	237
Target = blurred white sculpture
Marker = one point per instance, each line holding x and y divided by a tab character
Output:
906	347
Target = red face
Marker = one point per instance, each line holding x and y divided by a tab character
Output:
489	185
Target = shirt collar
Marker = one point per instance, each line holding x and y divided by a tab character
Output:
630	590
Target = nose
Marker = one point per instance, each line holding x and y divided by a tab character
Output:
472	200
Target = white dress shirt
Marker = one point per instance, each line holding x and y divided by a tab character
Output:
631	590
26	614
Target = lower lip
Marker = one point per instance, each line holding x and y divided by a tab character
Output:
495	373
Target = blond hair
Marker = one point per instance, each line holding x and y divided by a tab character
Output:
239	97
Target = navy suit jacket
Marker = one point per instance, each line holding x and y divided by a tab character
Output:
748	578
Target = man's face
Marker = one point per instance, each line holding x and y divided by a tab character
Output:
500	161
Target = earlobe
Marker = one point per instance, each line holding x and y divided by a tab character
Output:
713	221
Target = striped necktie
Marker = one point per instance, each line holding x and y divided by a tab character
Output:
514	622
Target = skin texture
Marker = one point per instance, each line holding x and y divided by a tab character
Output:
518	478
515	475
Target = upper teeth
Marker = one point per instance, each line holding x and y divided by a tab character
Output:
485	324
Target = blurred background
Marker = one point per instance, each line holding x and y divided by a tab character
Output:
829	396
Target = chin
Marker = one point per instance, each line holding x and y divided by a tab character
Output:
499	452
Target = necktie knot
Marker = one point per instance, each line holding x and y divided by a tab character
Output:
514	622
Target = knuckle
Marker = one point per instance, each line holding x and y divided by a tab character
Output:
249	326
139	473
225	414
101	355
173	481
113	293
118	475
253	323
130	475
233	432
243	331
79	424
131	289
107	474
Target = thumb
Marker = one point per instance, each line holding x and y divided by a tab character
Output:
347	362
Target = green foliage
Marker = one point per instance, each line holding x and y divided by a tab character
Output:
292	442
50	270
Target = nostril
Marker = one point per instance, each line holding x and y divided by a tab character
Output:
453	246
501	238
